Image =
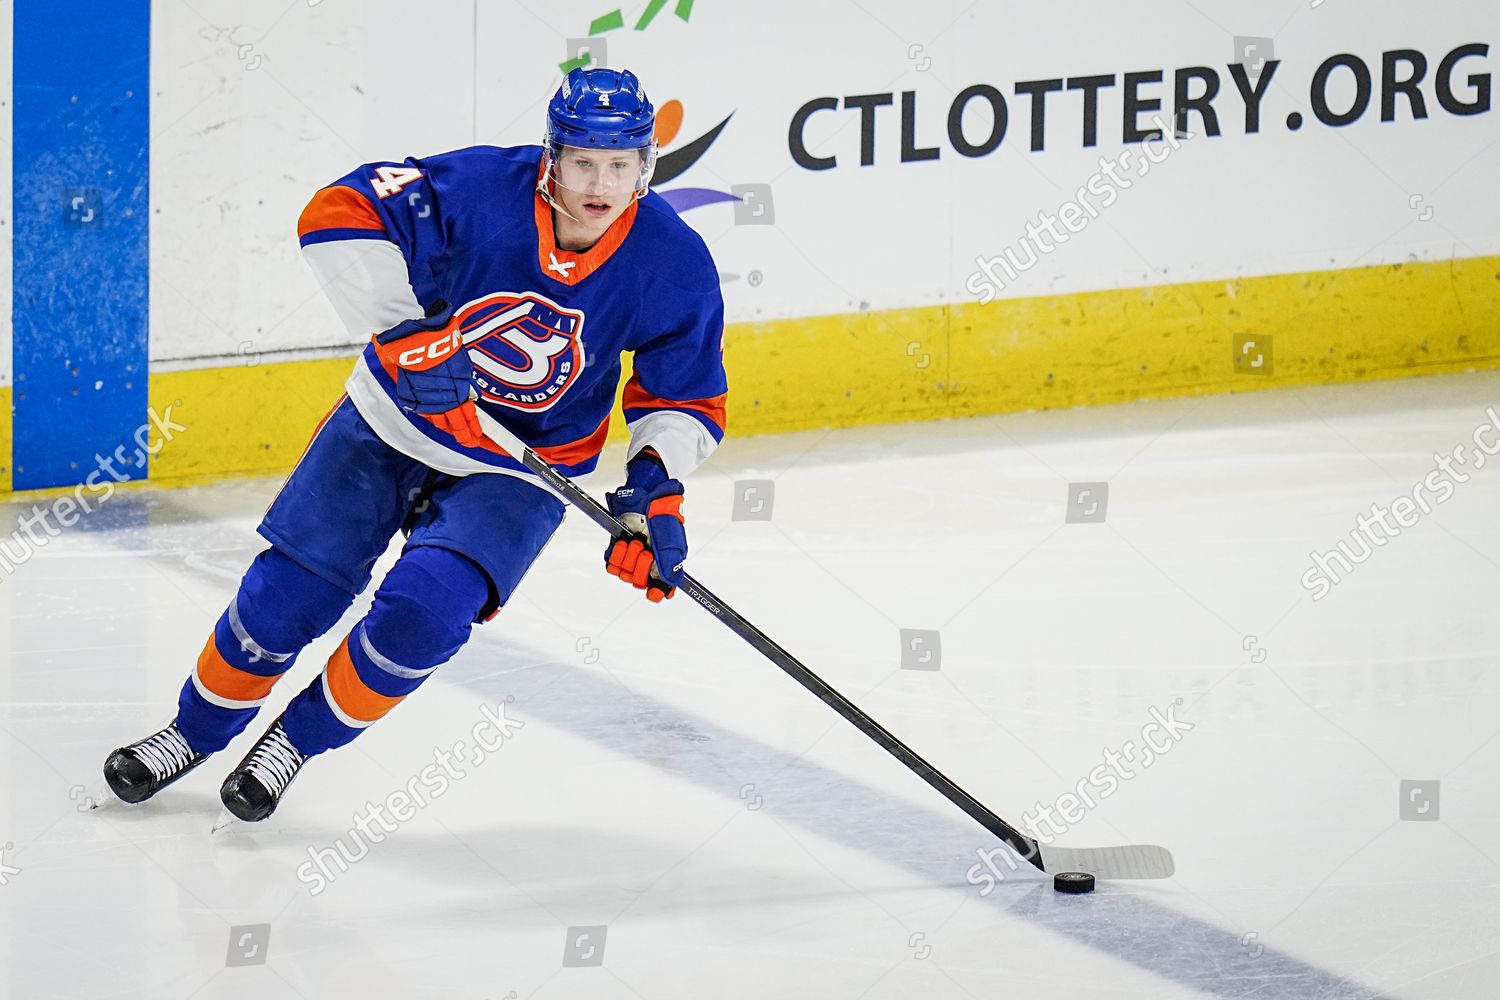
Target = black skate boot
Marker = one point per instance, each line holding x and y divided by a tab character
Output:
140	770
254	789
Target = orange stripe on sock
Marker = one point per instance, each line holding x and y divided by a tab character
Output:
355	698
230	682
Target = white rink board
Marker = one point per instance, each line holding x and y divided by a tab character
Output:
238	151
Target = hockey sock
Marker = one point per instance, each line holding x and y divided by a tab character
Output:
422	615
280	608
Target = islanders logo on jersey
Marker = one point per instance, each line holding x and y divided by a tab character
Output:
526	348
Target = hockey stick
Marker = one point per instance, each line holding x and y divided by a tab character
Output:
1132	861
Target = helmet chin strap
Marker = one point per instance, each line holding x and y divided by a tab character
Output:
544	188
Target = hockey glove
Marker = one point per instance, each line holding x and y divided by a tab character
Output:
650	558
434	376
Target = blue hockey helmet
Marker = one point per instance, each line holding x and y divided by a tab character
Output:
603	109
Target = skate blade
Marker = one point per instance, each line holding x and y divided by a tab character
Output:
225	819
103	798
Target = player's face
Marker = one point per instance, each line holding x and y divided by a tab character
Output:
596	186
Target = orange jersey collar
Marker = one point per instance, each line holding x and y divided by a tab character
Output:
564	265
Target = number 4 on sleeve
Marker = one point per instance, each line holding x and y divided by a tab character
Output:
390	180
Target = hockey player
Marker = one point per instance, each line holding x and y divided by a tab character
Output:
510	279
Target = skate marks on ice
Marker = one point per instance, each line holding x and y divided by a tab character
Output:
936	842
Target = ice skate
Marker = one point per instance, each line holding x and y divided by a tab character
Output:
140	770
254	789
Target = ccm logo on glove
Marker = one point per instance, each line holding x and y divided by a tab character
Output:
419	357
434	375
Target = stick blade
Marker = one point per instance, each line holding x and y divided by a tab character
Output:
1126	861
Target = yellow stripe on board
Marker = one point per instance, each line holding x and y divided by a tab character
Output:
244	419
6	417
1112	346
963	360
1179	340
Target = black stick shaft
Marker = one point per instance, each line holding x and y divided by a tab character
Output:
1017	840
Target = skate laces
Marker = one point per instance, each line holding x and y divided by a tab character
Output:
165	753
274	761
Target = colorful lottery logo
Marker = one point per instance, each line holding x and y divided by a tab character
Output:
525	348
670	166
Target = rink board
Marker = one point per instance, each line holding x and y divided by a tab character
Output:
1329	230
933	362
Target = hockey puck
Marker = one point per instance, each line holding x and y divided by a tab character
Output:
1073	882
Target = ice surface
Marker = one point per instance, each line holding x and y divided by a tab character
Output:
733	836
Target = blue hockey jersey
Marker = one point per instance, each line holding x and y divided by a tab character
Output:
545	326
